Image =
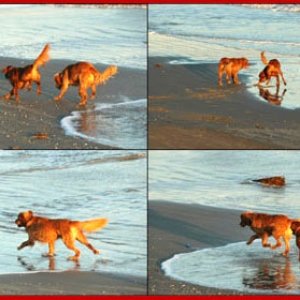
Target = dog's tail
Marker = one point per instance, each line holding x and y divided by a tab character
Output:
43	57
263	58
107	74
93	225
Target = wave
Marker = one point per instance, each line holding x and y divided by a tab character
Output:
115	126
276	7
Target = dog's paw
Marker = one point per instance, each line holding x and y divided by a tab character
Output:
57	98
48	254
73	258
96	252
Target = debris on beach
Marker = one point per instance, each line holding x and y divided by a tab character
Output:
278	181
41	136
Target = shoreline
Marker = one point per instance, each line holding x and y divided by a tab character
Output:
188	110
21	122
71	283
179	228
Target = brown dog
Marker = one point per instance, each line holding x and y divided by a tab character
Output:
296	231
49	230
231	66
265	225
272	69
23	77
84	75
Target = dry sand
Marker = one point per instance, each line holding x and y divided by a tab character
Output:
187	110
71	283
178	228
20	122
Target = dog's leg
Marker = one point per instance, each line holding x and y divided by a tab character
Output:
228	76
39	88
68	240
235	78
9	95
281	74
16	93
286	238
252	238
264	240
220	74
93	87
278	244
51	247
37	80
83	95
25	244
82	239
277	81
63	88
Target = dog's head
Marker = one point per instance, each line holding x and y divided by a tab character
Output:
58	78
7	69
245	63
295	226
262	77
246	218
24	218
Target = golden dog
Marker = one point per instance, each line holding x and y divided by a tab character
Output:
231	66
296	231
272	69
265	225
49	230
23	77
84	75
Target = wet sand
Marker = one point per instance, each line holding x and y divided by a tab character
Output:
21	122
178	228
187	110
71	283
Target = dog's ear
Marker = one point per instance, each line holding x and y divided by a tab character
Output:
29	215
6	69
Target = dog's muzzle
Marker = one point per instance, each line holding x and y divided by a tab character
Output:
18	222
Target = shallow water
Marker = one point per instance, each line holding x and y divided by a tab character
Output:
205	33
122	124
236	266
79	185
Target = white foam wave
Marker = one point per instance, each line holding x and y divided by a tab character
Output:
113	128
276	7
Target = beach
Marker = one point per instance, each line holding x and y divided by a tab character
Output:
71	283
22	122
187	110
178	228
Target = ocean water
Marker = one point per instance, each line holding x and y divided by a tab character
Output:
79	185
223	179
205	33
99	34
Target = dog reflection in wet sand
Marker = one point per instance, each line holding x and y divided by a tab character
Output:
270	276
45	230
274	99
